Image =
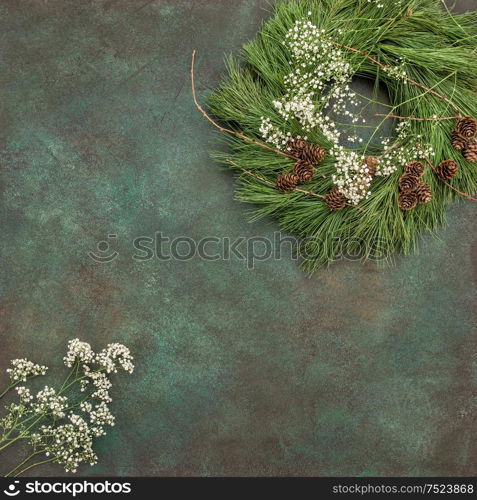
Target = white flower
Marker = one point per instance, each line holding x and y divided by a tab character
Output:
47	401
114	356
71	444
68	437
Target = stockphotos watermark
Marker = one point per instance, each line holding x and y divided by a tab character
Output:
248	250
65	487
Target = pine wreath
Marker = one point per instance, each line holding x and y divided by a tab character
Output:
289	152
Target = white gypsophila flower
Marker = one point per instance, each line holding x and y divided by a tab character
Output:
86	406
78	351
84	385
115	356
66	437
352	175
22	369
15	411
47	401
319	80
100	382
273	134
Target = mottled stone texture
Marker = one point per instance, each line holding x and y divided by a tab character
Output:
355	371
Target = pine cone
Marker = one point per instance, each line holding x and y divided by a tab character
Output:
467	127
447	170
458	141
423	193
470	152
372	163
415	168
313	153
304	171
407	201
287	182
335	200
408	183
295	147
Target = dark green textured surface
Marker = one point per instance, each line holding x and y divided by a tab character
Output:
356	371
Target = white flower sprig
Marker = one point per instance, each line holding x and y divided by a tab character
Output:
57	423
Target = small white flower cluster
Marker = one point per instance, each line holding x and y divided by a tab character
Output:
398	71
22	369
352	177
394	158
319	65
70	444
24	394
9	421
321	77
47	401
68	439
273	134
78	351
377	3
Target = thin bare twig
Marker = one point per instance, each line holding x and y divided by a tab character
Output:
240	135
391	148
415	118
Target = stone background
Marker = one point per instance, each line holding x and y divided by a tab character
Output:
356	371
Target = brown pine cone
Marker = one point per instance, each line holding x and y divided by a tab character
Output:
335	200
371	163
313	153
467	127
408	183
304	171
287	182
470	152
458	141
447	170
415	168
295	147
423	193
407	201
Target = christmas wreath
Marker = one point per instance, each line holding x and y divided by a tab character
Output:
285	99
